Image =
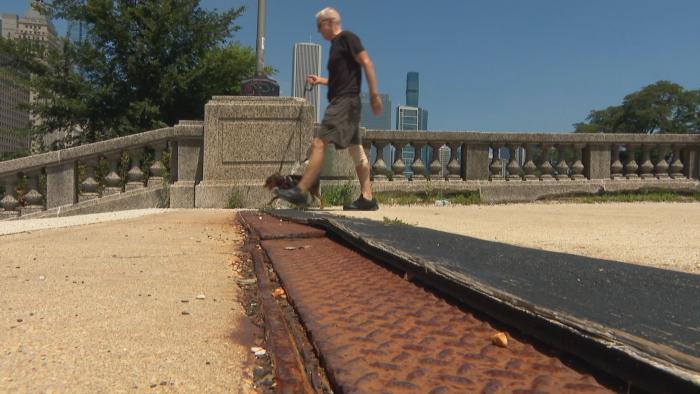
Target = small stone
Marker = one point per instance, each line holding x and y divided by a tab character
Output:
183	301
201	297
291	248
154	385
258	351
185	312
267	381
259	373
19	320
163	383
42	277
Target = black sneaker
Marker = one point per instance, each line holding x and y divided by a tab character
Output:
362	204
294	196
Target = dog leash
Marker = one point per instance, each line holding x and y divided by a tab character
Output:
307	88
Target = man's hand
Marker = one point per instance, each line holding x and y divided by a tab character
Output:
316	80
376	103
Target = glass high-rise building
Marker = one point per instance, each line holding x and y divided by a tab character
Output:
412	89
411	117
306	60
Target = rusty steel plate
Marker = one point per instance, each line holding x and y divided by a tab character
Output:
378	333
269	227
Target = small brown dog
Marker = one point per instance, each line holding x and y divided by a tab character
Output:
280	181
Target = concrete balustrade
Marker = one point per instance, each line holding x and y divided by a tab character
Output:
525	167
66	182
225	159
576	156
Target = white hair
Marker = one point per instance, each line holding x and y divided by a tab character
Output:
329	13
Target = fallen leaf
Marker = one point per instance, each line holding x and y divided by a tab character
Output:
291	247
278	292
500	339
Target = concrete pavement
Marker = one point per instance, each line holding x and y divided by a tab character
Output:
113	307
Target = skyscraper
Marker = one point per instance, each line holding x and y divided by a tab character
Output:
411	117
412	89
306	60
35	27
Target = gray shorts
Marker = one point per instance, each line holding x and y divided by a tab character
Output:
341	122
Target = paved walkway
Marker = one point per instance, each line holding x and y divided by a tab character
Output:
113	307
663	235
99	307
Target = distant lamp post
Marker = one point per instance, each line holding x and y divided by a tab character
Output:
260	84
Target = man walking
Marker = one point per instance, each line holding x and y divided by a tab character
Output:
341	122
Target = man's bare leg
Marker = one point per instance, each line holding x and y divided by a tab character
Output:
313	169
365	184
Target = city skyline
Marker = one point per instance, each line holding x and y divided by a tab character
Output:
495	65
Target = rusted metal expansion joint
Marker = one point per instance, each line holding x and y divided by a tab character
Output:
283	342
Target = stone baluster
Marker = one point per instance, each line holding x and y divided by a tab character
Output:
546	169
113	182
646	169
418	167
529	168
616	166
435	165
379	165
398	165
562	166
514	169
453	167
88	187
157	168
9	203
577	167
135	175
676	167
496	164
631	167
661	167
34	200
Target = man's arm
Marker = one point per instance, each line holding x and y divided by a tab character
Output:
363	59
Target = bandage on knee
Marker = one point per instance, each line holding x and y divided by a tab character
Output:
358	155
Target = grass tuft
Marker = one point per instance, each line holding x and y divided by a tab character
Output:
337	194
394	222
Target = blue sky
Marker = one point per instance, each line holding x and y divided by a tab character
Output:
498	65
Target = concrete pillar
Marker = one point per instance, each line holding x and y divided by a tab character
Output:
475	161
596	161
186	160
61	187
245	139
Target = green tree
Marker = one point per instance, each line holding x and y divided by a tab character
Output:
663	107
143	65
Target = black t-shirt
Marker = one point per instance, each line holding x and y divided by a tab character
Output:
344	72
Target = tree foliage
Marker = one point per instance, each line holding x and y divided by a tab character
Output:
142	65
663	107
